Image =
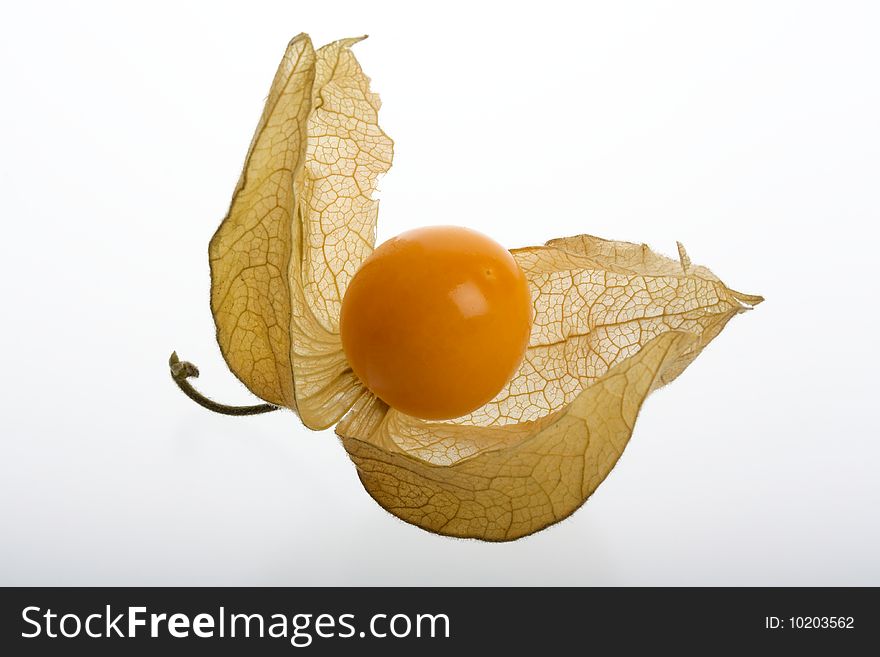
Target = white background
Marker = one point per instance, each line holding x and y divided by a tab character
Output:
750	131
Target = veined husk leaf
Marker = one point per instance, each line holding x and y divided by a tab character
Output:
596	303
529	475
301	221
613	321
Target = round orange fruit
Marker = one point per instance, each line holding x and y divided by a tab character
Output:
436	321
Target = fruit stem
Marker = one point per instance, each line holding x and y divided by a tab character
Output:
181	370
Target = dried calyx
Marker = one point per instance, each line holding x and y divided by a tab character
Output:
612	322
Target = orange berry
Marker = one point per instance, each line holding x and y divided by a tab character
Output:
436	321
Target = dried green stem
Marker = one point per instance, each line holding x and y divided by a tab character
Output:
182	370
